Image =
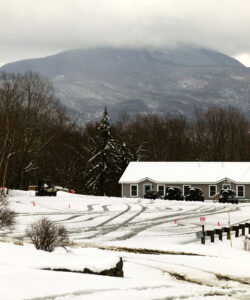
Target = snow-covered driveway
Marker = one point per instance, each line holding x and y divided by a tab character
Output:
109	220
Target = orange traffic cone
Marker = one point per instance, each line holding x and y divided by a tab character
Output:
218	223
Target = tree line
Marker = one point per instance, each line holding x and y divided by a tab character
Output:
39	139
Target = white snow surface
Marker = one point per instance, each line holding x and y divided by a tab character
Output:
217	271
186	172
78	259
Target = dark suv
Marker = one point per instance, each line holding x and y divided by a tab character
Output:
173	193
194	194
228	196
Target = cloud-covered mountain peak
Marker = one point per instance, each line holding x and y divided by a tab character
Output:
142	80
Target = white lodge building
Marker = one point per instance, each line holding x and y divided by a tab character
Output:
211	177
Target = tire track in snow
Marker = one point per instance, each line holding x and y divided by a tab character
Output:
72	218
93	228
112	218
90	207
153	222
89	218
166	219
220	277
104	231
225	285
105	207
102	291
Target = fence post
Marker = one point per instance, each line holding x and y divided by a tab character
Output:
229	228
237	231
226	229
203	238
219	232
220	235
248	226
242	227
212	236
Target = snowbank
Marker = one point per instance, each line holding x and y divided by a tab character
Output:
76	261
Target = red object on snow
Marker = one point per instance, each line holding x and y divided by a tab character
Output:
69	205
175	221
218	223
72	192
34	203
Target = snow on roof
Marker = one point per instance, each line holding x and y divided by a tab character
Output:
186	172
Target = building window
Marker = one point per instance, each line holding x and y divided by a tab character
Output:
226	186
134	190
147	187
212	190
185	189
161	190
241	191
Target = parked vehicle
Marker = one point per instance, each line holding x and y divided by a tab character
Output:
194	194
44	188
228	196
151	194
173	193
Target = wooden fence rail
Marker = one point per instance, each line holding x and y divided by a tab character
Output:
228	230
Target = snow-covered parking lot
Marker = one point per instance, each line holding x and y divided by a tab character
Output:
191	271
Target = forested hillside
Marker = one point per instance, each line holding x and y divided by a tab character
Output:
142	80
39	139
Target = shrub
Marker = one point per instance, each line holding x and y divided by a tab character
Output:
46	234
7	216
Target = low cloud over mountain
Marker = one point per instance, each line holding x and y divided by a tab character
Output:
126	80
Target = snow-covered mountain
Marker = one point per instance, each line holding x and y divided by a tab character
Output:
127	80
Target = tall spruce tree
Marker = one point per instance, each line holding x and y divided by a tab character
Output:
126	156
103	168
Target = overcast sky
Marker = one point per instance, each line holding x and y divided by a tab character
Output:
37	28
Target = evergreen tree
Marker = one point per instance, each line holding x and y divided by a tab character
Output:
103	166
126	156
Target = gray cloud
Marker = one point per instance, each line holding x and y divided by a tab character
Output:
38	28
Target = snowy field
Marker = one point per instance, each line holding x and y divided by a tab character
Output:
189	270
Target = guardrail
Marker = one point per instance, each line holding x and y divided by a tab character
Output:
228	230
